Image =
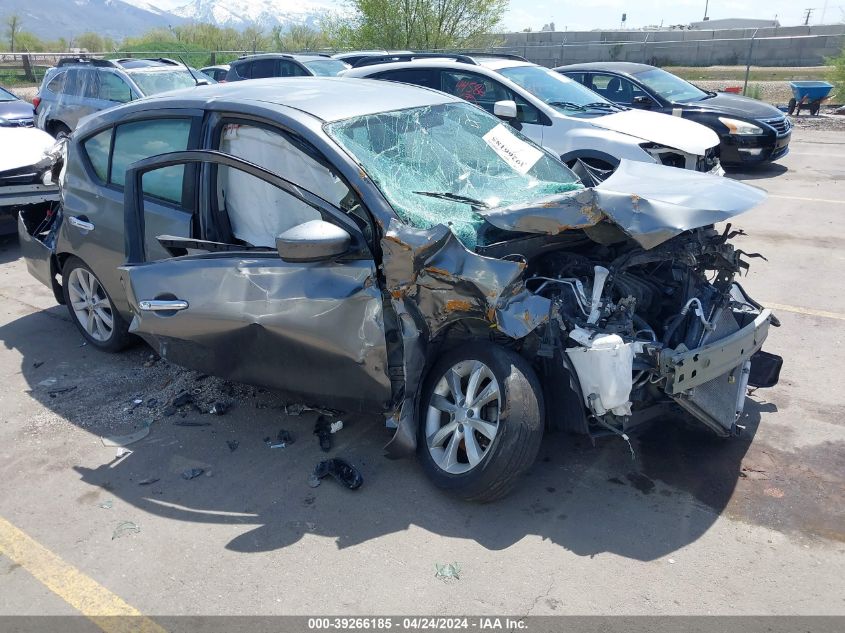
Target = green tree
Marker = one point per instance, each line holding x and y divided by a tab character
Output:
29	42
94	42
837	74
299	37
13	27
418	24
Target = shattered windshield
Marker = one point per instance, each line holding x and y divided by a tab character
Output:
326	67
436	164
152	82
558	91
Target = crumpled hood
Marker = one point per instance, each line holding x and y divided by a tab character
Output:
651	203
23	147
663	129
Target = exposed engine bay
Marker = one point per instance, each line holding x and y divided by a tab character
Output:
627	317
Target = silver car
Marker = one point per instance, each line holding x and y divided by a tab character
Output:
382	248
75	87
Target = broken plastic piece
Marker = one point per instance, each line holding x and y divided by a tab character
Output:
147	482
122	452
47	382
106	505
336	426
233	445
219	408
343	472
447	571
123	528
182	399
192	473
323	431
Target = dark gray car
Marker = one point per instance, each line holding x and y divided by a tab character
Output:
378	247
14	111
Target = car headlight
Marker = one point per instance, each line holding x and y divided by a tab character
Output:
740	128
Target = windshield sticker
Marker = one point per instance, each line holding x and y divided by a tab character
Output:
514	151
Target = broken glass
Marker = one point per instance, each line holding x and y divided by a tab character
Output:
439	164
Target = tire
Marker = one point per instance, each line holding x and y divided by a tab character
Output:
815	106
95	307
591	171
518	408
791	108
60	130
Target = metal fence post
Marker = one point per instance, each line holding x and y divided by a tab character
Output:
748	62
645	41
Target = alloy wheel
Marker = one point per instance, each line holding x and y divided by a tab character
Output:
462	418
90	304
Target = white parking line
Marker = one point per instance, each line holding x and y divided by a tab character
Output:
808	311
822	200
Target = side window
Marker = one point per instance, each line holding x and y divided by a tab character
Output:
263	68
579	77
56	83
417	76
88	84
97	149
142	139
474	88
113	88
70	87
616	89
258	211
290	69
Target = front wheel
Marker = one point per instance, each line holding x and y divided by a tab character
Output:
91	308
480	422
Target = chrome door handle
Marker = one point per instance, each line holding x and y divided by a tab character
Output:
80	224
158	305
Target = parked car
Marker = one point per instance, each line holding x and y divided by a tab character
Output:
284	65
750	131
589	133
14	111
27	159
76	87
381	248
217	73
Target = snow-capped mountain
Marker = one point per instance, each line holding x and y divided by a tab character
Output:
242	13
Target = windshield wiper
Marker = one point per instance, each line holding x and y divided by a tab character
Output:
604	105
453	197
567	105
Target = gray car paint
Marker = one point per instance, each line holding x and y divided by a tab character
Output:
430	279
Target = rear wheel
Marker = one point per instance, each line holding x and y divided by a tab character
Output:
59	130
480	422
91	308
791	108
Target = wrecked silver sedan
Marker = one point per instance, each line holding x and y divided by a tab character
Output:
388	249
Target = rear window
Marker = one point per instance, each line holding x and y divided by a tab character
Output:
326	67
55	84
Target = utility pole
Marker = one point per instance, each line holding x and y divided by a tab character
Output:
706	7
807	14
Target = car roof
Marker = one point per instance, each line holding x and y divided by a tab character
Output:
305	57
434	62
325	98
497	63
626	68
216	67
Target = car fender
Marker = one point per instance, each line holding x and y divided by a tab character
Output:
589	141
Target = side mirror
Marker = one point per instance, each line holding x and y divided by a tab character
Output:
643	102
505	109
312	242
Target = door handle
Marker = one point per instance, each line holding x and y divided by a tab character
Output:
83	225
160	305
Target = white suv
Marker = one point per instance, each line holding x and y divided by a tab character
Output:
588	132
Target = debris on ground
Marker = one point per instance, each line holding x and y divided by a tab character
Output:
182	399
342	472
192	473
106	505
189	423
336	426
123	528
233	445
285	436
122	452
323	431
48	382
147	482
220	408
449	571
55	392
126	440
36	364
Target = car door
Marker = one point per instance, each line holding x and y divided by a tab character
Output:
227	304
263	68
94	192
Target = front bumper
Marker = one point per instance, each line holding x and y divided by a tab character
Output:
753	149
710	381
